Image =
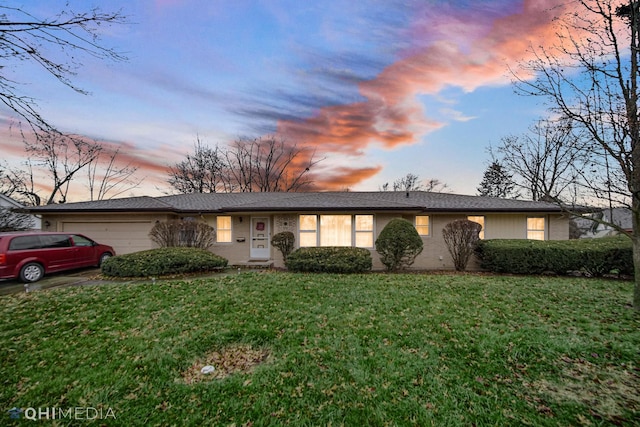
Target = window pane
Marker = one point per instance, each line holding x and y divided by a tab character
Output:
308	239
25	242
422	220
56	241
223	236
335	230
308	222
81	241
535	235
535	228
535	223
364	222
224	222
223	232
422	225
364	239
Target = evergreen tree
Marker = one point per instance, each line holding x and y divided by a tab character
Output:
497	182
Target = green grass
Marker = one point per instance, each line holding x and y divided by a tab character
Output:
364	350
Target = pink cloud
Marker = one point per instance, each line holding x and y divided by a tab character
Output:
455	48
461	51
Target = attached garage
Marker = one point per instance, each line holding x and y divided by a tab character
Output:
125	237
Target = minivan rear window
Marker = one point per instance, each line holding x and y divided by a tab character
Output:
39	242
25	242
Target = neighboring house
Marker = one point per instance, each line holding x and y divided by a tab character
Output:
7	202
245	222
618	216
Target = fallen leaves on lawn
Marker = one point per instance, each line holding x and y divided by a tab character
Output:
607	391
227	361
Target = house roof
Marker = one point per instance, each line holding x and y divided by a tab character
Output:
619	216
418	201
6	201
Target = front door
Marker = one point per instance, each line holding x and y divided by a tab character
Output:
260	236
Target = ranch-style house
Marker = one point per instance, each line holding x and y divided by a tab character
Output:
245	222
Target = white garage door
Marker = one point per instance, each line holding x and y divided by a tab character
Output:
125	237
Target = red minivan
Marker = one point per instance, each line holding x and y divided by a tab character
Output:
28	255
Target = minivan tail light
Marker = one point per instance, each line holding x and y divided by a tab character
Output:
3	258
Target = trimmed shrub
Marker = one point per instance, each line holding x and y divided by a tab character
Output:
594	257
330	259
398	244
163	261
284	242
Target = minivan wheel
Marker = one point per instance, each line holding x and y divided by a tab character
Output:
31	272
105	256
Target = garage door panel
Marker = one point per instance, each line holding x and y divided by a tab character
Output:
125	237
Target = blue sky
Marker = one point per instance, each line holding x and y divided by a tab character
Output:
378	88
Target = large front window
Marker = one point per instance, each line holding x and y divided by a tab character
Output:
336	230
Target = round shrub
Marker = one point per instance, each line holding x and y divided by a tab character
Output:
163	261
398	244
330	259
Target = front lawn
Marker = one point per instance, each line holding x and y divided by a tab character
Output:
310	350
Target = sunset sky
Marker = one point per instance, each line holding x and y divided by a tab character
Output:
378	88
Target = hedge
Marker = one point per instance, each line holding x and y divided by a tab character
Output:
591	256
331	259
163	261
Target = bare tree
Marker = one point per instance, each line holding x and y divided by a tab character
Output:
461	237
269	164
412	182
107	178
56	44
546	161
434	185
409	182
61	157
248	165
591	76
14	220
204	171
13	182
183	233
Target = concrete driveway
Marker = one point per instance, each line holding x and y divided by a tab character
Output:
68	278
91	276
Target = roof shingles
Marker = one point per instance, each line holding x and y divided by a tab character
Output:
321	201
